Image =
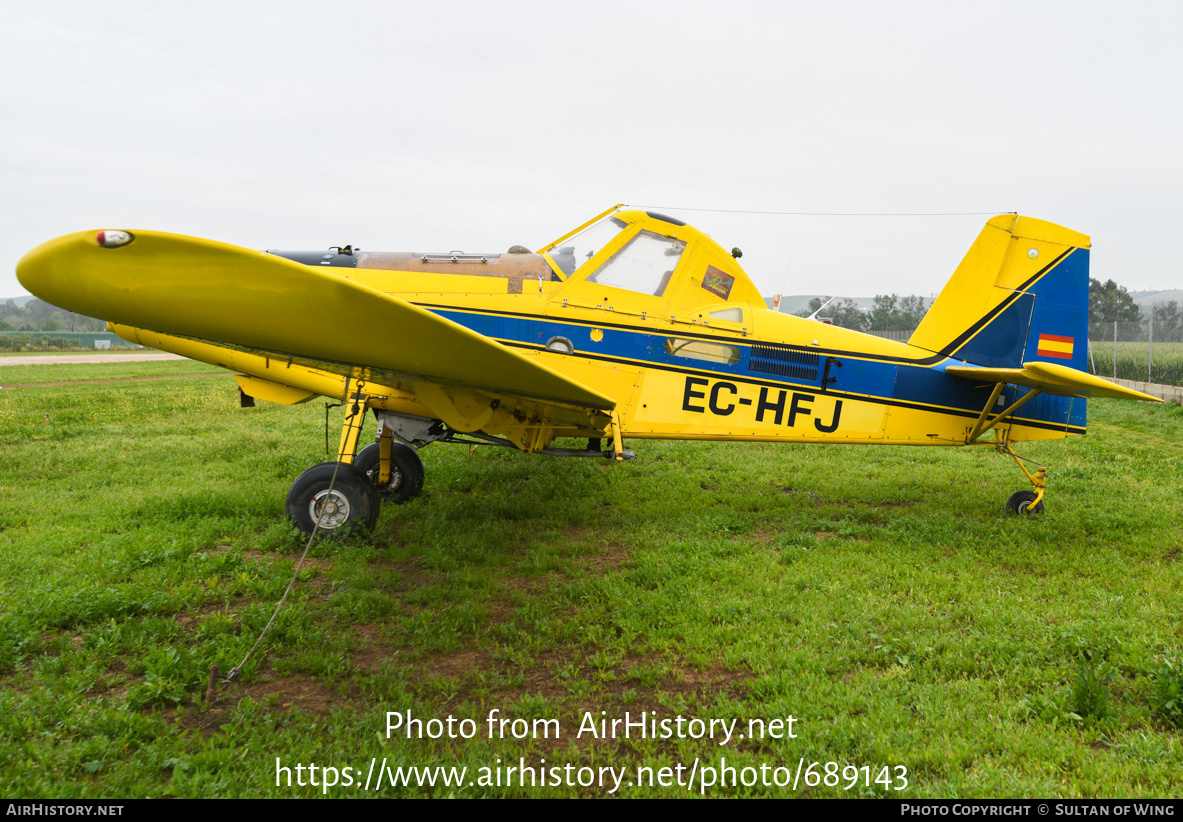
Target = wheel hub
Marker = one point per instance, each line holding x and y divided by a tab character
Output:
329	511
396	477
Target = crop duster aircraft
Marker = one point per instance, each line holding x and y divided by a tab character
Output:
633	325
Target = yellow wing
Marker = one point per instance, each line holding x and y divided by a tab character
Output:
1052	379
270	307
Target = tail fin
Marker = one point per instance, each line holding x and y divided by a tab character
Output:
1020	295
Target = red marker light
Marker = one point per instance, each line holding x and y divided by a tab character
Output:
113	239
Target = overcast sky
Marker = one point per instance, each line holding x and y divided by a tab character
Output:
416	126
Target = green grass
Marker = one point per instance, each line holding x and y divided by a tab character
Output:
880	595
74	372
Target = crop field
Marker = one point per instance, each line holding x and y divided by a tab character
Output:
1134	363
879	596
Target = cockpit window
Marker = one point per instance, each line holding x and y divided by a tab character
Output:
644	264
577	250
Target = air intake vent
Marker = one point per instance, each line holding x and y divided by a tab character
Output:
797	365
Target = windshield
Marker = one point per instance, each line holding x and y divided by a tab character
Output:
578	249
644	264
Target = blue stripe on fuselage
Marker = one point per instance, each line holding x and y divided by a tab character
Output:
874	380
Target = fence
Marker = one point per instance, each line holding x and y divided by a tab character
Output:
14	341
899	336
1142	351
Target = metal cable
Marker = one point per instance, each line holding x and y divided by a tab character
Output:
233	672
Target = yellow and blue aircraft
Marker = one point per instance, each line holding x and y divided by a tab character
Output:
633	325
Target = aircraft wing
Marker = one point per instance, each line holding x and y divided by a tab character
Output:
266	305
1051	379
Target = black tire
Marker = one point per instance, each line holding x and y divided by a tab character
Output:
406	471
1020	503
356	503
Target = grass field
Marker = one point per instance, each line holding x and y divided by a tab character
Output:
878	595
85	372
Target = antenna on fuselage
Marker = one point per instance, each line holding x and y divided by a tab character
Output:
813	316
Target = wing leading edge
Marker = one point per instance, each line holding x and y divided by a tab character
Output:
234	298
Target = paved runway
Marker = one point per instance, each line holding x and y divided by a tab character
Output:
55	359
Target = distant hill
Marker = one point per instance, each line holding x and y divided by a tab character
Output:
1145	299
31	314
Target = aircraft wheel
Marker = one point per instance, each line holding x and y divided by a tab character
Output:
406	471
1020	503
352	505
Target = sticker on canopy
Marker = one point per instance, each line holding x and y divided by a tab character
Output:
718	282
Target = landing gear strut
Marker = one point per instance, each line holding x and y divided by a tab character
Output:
1026	502
1020	502
346	496
405	476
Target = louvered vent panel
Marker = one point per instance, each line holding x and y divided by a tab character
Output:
797	365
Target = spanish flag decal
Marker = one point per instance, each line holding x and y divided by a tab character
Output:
1053	346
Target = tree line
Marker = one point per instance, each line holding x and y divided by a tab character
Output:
1108	303
38	315
889	313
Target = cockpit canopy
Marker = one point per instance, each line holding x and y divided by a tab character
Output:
656	258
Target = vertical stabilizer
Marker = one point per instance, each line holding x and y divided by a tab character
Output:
1019	295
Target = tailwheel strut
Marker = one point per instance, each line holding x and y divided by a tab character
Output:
1020	502
1026	502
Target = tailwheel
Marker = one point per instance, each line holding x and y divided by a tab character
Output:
406	471
350	506
1024	502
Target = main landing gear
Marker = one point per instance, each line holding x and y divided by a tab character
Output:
346	496
333	497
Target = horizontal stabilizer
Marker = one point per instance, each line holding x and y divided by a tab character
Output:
1051	379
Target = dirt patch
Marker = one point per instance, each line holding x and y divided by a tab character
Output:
411	575
477	672
456	665
525	585
819	501
375	650
298	691
291	693
612	557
